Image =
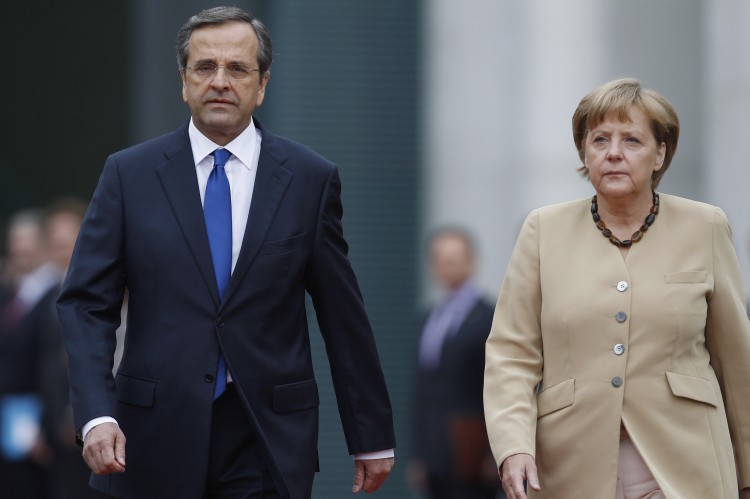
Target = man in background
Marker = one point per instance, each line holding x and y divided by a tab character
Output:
452	458
33	365
27	350
68	473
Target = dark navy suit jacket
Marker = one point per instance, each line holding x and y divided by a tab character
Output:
145	231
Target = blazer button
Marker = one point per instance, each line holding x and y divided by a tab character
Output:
622	286
220	322
621	317
619	349
208	378
617	382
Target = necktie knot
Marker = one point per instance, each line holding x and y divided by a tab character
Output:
221	156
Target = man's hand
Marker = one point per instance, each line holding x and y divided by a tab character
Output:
104	449
515	470
745	493
369	474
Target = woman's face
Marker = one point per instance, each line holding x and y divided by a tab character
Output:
622	155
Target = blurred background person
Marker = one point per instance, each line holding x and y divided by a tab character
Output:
25	353
62	222
69	474
40	458
452	458
617	366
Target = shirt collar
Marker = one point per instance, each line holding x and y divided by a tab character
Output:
242	147
467	293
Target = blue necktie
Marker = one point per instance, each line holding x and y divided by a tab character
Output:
217	210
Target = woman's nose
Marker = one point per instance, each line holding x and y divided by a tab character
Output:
614	152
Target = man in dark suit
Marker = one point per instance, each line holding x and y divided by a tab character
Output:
452	458
215	391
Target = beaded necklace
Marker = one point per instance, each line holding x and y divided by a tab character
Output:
637	235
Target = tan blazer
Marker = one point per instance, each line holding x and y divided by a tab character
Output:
652	340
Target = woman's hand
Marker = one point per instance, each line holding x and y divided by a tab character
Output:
515	470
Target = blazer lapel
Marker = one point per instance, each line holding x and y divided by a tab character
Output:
180	183
271	182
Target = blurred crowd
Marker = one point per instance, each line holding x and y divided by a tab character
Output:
39	457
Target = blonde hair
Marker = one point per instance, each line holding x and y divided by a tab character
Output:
619	96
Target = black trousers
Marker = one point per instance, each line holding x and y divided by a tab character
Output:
23	480
236	469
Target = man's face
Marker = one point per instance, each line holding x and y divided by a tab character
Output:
62	231
452	261
26	249
221	106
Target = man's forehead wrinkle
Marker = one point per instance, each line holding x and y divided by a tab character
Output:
219	52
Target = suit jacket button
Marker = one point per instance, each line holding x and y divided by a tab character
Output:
208	378
619	349
621	317
617	382
220	322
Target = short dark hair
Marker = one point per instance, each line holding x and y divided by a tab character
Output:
224	15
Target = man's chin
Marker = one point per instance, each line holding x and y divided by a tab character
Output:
219	125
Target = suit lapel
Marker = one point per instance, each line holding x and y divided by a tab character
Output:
271	182
180	183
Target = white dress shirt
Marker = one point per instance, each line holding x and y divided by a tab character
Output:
241	169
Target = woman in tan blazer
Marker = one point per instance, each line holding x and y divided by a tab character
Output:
619	366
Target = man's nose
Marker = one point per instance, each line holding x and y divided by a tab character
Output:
219	79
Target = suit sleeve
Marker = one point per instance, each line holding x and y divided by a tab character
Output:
90	302
728	341
513	358
363	401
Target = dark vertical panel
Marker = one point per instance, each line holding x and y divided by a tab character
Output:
345	82
65	103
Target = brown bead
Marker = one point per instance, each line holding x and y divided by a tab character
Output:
637	235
